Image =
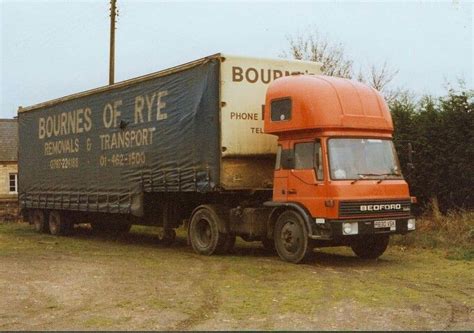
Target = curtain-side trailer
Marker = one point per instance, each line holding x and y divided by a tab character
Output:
151	149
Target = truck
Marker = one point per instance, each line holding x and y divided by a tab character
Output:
267	150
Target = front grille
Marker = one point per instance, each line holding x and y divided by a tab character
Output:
374	208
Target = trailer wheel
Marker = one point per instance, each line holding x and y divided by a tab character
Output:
38	218
58	225
291	237
204	232
370	247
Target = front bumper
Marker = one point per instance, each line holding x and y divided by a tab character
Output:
333	229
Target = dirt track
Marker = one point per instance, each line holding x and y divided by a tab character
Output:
88	282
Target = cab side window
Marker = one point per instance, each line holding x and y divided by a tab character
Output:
309	155
304	155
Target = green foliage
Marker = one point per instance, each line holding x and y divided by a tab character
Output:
441	131
452	232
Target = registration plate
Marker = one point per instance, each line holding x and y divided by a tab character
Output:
385	224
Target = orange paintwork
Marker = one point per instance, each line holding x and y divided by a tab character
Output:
324	107
325	102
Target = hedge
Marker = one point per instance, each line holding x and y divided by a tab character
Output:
441	131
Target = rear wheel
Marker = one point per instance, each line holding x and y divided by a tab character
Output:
204	231
291	237
370	247
38	218
58	225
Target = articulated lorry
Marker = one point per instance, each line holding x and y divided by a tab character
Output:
266	150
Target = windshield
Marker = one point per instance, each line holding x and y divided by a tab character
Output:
363	159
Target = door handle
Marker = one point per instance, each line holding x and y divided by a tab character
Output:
292	191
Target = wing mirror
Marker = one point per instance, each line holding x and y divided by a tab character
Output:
410	164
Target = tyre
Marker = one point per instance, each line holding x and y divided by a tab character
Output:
370	247
204	231
38	219
291	237
268	244
58	225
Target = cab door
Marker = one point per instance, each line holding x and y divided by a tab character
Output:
306	177
280	179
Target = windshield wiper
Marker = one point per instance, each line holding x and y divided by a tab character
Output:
362	175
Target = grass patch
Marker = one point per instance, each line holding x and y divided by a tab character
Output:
452	233
159	287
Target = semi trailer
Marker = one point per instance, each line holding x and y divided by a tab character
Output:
266	150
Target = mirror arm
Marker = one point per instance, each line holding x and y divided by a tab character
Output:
296	175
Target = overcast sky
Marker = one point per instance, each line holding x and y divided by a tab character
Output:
54	48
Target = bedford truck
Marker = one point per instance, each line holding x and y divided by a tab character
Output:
267	150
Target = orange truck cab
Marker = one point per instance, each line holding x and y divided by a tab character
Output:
337	179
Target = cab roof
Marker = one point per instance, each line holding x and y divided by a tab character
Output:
326	103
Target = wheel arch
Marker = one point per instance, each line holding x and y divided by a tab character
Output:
280	207
223	222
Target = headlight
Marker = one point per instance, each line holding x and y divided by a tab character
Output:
350	228
319	220
411	224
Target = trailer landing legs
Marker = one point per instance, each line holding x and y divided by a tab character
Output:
167	236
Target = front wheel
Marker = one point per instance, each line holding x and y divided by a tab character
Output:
291	237
370	247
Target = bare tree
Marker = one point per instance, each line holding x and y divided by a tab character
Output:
399	95
379	77
313	46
